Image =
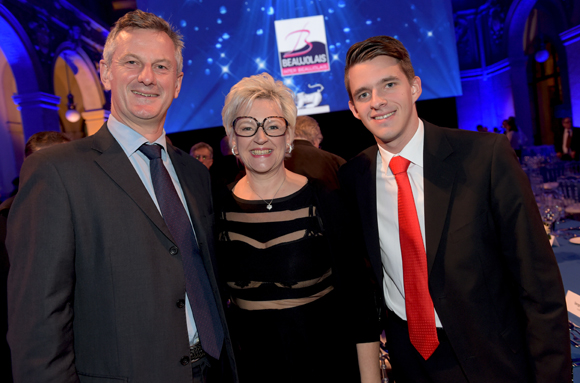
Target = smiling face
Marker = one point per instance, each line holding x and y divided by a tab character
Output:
261	153
142	78
384	100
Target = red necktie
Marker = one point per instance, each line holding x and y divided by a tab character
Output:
418	303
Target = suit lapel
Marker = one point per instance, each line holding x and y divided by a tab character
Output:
190	190
115	163
439	177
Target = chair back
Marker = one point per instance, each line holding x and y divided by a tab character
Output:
552	171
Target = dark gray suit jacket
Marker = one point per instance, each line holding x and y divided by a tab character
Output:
94	293
493	276
314	163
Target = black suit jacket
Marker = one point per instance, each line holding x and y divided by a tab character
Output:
493	277
94	292
5	364
314	163
574	144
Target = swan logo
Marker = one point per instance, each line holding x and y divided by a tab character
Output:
302	46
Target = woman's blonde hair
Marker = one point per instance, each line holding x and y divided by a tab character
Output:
261	86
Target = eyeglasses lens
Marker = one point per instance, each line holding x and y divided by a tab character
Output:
248	126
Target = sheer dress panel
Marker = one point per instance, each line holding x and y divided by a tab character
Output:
275	259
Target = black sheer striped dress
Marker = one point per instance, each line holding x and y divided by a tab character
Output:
285	314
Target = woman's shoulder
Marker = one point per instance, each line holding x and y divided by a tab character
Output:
295	181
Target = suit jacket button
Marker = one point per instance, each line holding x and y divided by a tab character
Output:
184	361
181	303
173	250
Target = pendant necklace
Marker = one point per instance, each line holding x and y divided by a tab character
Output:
268	204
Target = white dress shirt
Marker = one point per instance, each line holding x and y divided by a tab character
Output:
388	218
565	149
130	142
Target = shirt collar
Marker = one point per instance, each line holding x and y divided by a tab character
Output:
413	151
128	138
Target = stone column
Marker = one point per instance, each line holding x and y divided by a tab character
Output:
12	155
94	119
571	41
39	112
522	97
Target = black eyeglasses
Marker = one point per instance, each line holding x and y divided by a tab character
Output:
246	126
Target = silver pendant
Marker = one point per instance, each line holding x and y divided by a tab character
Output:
269	207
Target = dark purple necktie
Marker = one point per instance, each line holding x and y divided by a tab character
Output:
199	291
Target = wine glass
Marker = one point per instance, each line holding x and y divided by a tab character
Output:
551	209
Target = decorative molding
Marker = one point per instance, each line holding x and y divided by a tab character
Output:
466	38
570	36
94	119
36	99
83	17
41	37
485	73
15	128
480	34
495	21
20	53
94	45
96	114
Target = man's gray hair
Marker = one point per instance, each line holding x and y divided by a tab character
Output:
200	145
143	20
307	129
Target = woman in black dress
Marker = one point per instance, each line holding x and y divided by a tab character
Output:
300	308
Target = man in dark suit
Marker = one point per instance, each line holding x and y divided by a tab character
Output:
99	285
36	142
456	234
202	152
567	140
306	157
226	168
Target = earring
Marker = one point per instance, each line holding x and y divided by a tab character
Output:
234	150
290	147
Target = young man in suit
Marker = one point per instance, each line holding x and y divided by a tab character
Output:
465	271
110	233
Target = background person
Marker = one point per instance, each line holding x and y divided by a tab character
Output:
513	135
567	140
296	315
308	159
203	153
466	272
110	234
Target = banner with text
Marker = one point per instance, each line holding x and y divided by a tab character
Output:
302	45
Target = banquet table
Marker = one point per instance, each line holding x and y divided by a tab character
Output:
568	257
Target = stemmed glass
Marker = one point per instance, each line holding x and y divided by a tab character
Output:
551	209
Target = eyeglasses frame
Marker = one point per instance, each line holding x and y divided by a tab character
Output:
260	124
